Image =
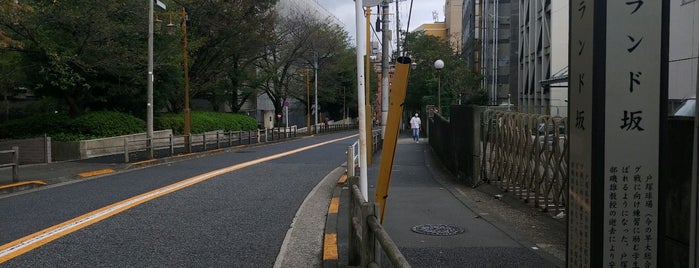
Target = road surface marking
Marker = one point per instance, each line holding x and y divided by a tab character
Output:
35	240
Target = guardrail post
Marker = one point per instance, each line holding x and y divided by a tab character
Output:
203	138
350	161
15	162
354	251
126	150
218	140
372	246
230	137
172	145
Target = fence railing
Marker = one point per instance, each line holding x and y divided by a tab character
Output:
170	145
367	238
526	154
14	162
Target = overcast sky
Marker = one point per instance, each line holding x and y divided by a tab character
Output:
422	13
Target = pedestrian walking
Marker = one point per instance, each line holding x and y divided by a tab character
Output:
415	125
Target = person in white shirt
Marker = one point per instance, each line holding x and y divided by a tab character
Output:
415	125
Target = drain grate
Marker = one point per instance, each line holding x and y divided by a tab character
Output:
437	229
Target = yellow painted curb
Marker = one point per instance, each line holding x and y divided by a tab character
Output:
342	179
21	184
330	247
96	172
334	205
143	162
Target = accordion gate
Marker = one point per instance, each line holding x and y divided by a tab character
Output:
520	158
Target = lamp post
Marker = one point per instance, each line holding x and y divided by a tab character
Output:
439	64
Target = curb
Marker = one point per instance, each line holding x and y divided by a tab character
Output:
20	186
330	247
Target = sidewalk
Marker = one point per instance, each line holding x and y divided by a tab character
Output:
74	170
485	231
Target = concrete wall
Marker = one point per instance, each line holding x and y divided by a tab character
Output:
73	150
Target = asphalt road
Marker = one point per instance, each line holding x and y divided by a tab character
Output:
235	219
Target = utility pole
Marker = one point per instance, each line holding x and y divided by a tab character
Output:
397	32
384	65
361	98
149	92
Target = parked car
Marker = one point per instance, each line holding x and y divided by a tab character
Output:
549	134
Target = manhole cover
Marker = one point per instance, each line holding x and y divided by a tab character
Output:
437	229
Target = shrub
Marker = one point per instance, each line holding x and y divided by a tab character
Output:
206	121
107	124
60	127
35	126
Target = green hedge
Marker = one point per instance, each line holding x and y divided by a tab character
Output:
63	128
206	121
35	126
108	124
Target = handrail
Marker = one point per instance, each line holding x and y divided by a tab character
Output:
367	235
390	247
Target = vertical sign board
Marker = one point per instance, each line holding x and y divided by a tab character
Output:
632	132
618	90
581	78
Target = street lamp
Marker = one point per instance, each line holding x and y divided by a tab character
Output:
439	64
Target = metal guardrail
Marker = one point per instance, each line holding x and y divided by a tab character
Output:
14	164
526	154
368	239
207	141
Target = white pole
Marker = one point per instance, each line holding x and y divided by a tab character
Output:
315	69
149	105
384	66
361	50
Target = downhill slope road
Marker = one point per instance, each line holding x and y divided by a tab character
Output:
232	209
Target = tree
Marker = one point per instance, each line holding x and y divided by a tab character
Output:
68	48
455	78
226	39
300	42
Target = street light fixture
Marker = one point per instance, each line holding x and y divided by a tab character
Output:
439	64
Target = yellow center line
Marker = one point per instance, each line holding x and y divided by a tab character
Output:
32	241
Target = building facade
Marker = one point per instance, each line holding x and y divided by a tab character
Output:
543	57
683	58
452	19
437	29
